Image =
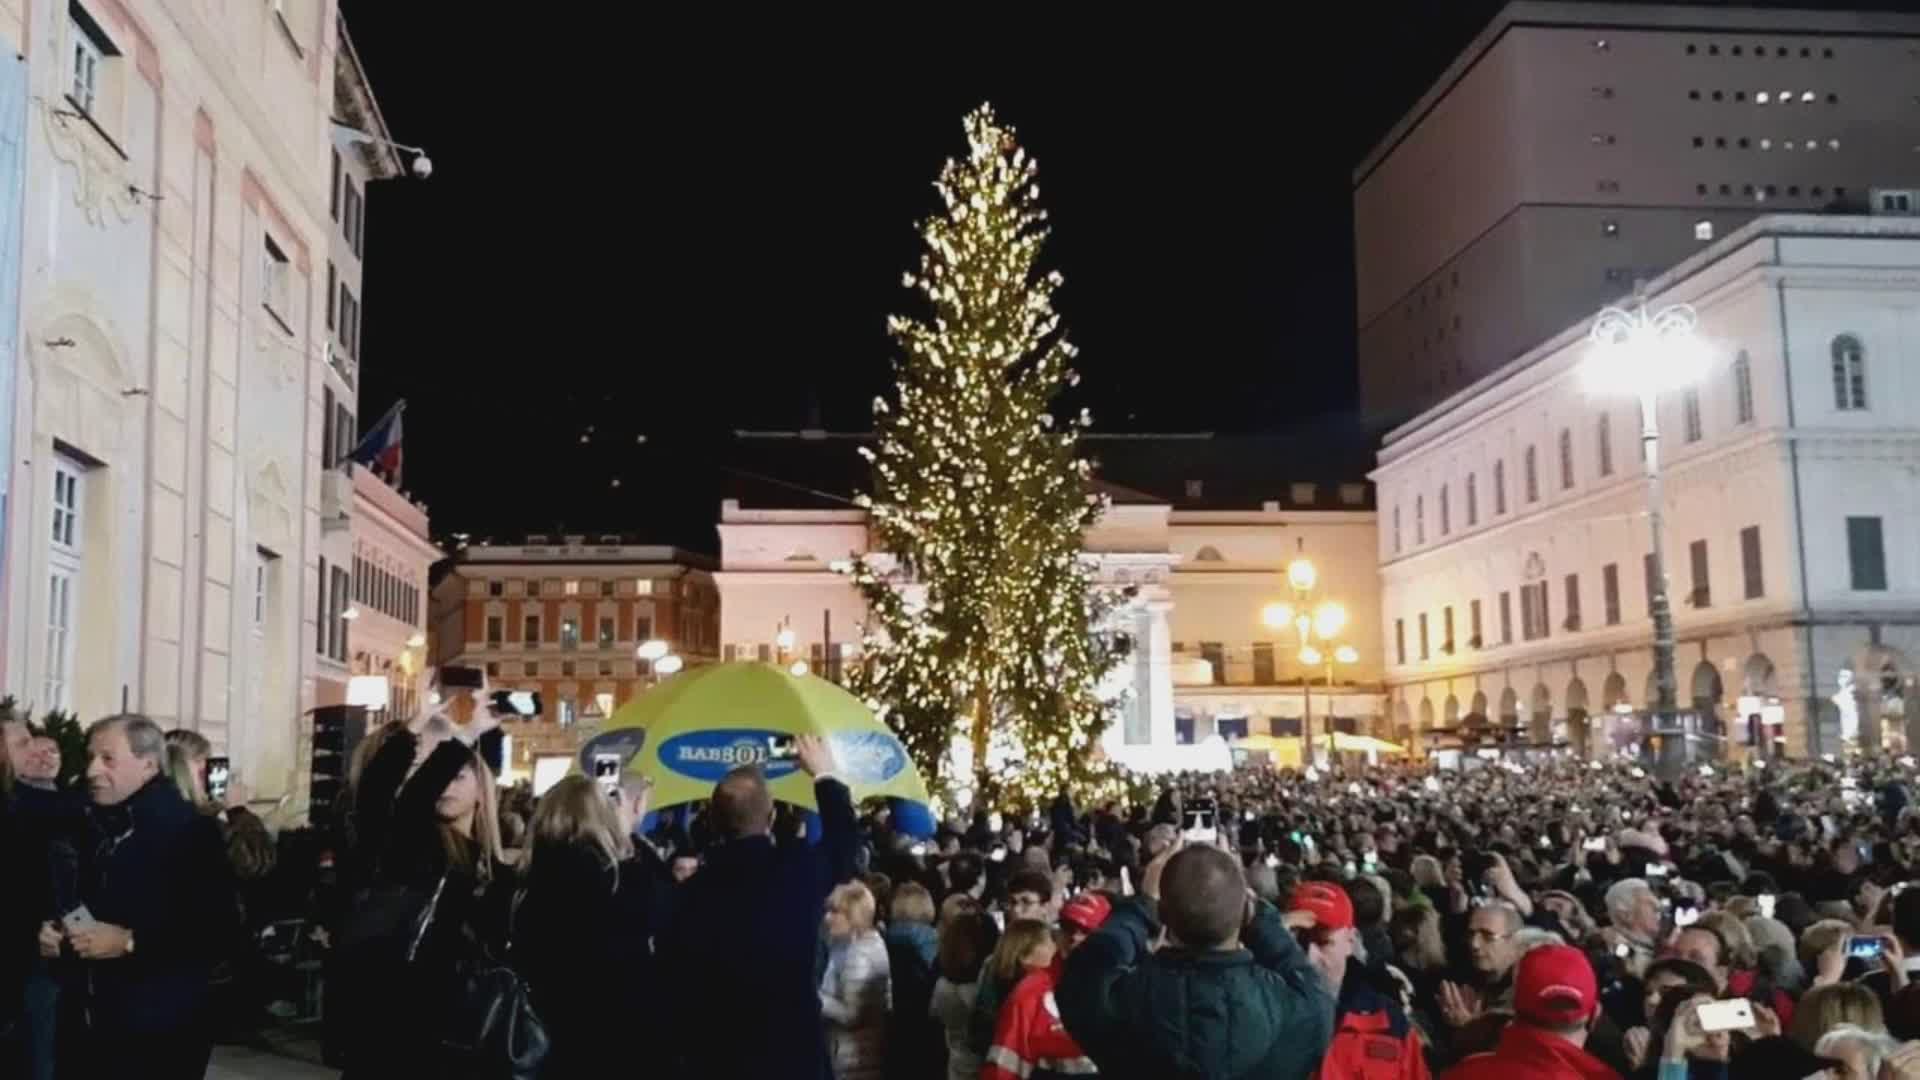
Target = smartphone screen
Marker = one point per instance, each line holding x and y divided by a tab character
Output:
1865	948
219	771
781	748
1766	905
1732	1015
1598	843
517	702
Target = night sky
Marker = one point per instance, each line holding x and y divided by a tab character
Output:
675	231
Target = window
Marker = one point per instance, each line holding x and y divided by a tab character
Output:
63	578
333	187
1263	673
1604	446
530	669
67	476
1609	227
496	588
1353	494
1446	629
1533	611
1419	519
606	587
1703	230
276	289
1690	413
570	588
1423	636
1849	373
1303	494
1499	487
1566	458
353	216
1866	558
493	669
606	632
1474	640
1473	500
349	329
333	285
337	629
1610	593
530	631
566	712
1215	655
90	52
1750	572
1742	389
566	669
1400	640
1446	514
495	630
643	628
1702	593
1396	530
1506	618
60	607
1532	475
569	633
1573	602
263	561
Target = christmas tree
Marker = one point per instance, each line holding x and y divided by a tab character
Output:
985	621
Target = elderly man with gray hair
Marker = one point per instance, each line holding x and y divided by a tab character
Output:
141	918
1634	920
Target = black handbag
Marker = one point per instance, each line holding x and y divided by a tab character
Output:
489	1020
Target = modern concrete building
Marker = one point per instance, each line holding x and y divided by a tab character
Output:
164	542
1574	148
1201	528
566	616
1514	545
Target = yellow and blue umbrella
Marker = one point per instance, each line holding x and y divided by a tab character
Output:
692	729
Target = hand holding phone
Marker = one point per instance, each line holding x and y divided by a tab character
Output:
1865	947
1735	1015
77	920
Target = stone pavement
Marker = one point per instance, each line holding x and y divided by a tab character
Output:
245	1063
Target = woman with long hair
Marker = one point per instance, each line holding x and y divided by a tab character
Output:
187	755
590	892
967	939
426	831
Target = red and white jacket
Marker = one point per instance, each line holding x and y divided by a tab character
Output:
1029	1041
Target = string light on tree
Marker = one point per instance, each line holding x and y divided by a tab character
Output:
985	617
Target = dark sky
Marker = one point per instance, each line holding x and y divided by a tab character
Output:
676	231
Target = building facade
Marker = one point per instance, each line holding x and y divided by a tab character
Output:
1574	148
565	616
164	537
1514	545
392	557
1202	561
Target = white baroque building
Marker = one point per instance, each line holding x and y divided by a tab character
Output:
1203	561
1514	528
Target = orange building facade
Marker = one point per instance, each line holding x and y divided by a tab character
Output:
566	616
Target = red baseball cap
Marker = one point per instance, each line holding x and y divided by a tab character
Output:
1331	906
1086	911
1555	986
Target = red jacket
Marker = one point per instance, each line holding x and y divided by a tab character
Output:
1029	1040
1372	1039
1528	1053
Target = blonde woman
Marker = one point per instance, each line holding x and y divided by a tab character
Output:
426	824
187	755
590	892
857	991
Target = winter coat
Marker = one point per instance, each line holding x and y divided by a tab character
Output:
156	866
583	941
855	998
1259	1011
742	945
916	1047
1030	1042
1528	1053
952	1005
1372	1037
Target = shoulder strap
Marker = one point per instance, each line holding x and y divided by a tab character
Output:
426	918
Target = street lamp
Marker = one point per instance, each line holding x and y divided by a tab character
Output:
1645	355
667	665
1323	621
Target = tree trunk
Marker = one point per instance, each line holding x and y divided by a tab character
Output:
982	721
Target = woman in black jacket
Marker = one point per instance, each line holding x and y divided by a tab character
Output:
583	927
426	825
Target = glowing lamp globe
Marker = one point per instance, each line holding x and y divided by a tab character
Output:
651	650
1329	619
1632	352
667	665
1301	574
1277	616
1347	654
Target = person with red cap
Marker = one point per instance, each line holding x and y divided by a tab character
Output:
1029	1041
1555	999
1372	1037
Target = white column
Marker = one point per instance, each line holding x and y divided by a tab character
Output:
1156	651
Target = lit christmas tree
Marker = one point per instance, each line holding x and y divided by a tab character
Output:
986	626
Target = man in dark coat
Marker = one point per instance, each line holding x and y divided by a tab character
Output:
738	961
144	920
1230	996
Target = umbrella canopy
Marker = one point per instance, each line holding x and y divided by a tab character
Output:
691	730
1362	743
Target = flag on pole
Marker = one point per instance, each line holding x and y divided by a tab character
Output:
379	447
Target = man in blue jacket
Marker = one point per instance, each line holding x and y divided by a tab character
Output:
1229	995
738	961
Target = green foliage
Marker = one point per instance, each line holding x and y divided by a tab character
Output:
983	609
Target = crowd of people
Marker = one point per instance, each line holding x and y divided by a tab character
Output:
1559	919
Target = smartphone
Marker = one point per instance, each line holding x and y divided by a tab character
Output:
1352	869
1273	862
1545	842
781	748
77	919
1657	870
1202	823
1686	916
917	850
1766	905
1862	947
1735	1015
456	677
219	771
517	702
1598	843
606	769
1000	920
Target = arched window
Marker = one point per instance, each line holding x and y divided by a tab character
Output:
1742	389
1208	554
1849	373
